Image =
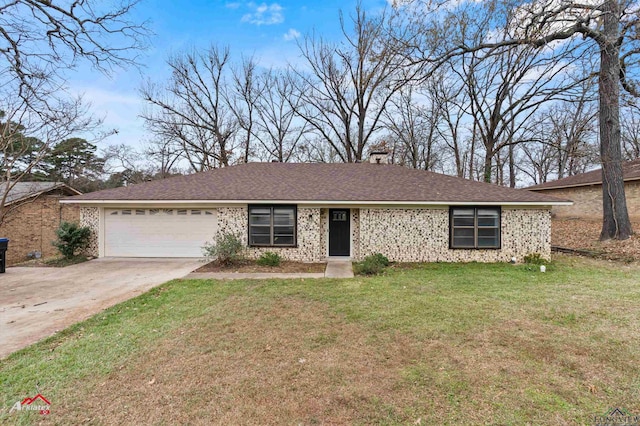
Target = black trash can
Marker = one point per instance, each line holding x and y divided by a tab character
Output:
4	244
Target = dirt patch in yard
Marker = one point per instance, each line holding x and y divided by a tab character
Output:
583	235
250	266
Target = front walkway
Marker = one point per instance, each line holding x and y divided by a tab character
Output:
339	269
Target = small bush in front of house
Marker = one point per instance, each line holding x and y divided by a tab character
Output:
226	248
381	259
535	259
371	265
72	238
269	259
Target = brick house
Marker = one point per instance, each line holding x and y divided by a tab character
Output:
33	215
308	212
585	190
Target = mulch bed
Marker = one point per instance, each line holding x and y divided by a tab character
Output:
581	236
250	266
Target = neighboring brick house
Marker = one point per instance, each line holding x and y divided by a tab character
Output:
34	214
585	190
308	212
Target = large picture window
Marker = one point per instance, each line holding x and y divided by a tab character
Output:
272	226
475	227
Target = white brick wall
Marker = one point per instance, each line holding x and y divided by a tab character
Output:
90	217
406	235
422	235
309	249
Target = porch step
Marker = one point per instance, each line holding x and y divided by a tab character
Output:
339	269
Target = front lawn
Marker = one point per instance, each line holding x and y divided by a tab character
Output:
437	344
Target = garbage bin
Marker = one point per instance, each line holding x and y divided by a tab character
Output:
4	244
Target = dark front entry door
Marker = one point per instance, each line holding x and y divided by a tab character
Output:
339	232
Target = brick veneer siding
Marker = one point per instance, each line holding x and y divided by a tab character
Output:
587	201
422	235
32	227
90	217
355	233
406	235
309	248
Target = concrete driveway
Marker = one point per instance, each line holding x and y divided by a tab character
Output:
36	302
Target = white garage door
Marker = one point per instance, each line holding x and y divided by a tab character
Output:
158	232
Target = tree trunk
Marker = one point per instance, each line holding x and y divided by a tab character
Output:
512	168
472	152
615	224
487	166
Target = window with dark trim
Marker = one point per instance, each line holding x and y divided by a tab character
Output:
272	226
474	227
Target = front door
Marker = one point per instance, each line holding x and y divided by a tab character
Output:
339	232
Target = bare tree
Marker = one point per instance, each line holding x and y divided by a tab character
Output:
453	102
412	121
348	85
630	128
505	89
278	129
562	138
39	42
164	155
242	98
192	108
27	134
608	27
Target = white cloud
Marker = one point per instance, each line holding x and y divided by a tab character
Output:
264	14
291	34
233	5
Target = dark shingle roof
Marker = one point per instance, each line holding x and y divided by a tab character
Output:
23	190
630	171
318	182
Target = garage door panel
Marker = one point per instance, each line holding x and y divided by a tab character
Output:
158	232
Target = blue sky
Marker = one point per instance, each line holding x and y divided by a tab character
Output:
264	30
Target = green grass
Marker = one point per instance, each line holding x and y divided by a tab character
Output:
443	343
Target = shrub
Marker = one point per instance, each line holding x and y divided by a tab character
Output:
226	248
535	259
72	238
371	265
269	259
380	258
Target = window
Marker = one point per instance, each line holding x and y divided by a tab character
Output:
339	216
272	226
475	227
182	212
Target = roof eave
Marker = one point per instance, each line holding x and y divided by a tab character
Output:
44	191
576	185
324	202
